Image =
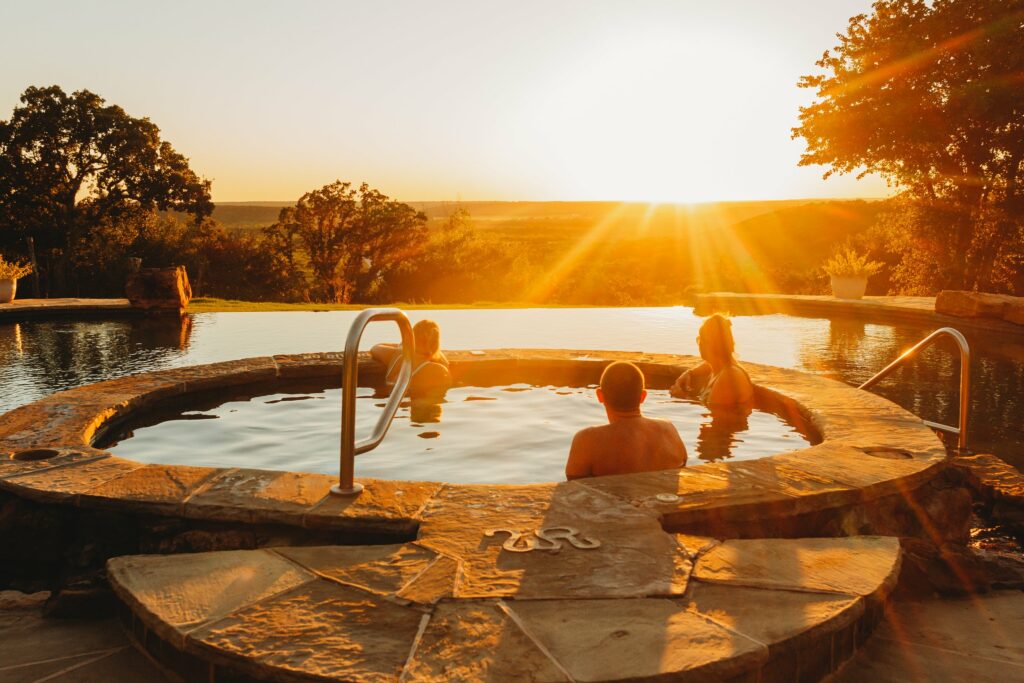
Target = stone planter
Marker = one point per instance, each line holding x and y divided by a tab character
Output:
8	288
849	286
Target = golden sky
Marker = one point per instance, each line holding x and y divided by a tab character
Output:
682	101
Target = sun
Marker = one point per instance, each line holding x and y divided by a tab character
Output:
658	117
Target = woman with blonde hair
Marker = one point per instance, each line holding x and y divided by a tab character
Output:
719	380
430	374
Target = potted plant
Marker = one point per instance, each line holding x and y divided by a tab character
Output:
9	273
849	271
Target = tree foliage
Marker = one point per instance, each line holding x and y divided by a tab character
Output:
70	164
931	96
353	238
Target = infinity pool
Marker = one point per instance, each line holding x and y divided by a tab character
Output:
38	358
514	434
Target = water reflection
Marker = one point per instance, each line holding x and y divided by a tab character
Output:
718	432
10	340
37	358
425	411
928	385
163	332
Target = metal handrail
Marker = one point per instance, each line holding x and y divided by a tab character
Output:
965	380
347	486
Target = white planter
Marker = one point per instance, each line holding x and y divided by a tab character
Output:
849	286
8	288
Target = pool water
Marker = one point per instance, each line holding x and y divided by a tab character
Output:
40	357
514	434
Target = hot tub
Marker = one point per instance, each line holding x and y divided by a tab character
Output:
514	433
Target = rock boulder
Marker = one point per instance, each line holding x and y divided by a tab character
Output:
159	289
971	304
1014	311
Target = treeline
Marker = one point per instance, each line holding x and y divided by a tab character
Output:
86	190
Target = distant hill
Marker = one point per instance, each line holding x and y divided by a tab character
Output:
788	245
248	216
514	217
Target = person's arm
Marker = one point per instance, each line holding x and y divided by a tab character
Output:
579	464
687	383
383	353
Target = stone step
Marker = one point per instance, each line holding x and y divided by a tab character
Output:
739	610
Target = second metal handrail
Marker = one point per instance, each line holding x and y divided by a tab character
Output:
347	486
965	380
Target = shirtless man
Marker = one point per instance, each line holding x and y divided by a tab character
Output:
629	442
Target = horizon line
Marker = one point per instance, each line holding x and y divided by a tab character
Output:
289	202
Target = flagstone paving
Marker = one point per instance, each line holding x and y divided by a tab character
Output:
343	612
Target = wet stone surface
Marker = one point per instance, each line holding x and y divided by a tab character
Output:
374	612
321	629
635	557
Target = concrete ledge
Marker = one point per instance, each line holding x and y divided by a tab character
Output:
33	309
892	309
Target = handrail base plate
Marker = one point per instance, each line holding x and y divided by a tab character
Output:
356	489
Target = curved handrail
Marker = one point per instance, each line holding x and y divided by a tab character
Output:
965	379
347	486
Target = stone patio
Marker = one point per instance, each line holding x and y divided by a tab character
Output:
738	610
612	578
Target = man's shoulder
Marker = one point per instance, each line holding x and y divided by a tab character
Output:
659	422
591	431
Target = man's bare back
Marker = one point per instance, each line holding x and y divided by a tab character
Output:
629	444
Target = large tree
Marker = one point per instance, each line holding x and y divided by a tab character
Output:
71	163
353	238
930	95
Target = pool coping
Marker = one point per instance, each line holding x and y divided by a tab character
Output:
837	472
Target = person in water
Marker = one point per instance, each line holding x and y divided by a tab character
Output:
430	374
719	380
629	442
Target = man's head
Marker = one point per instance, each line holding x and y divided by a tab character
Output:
427	335
622	387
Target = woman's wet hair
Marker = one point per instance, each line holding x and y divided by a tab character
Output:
716	334
622	384
427	335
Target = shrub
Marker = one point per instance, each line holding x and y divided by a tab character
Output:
12	270
848	262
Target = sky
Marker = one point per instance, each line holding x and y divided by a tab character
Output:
678	101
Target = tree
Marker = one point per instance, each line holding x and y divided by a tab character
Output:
353	238
71	163
929	94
